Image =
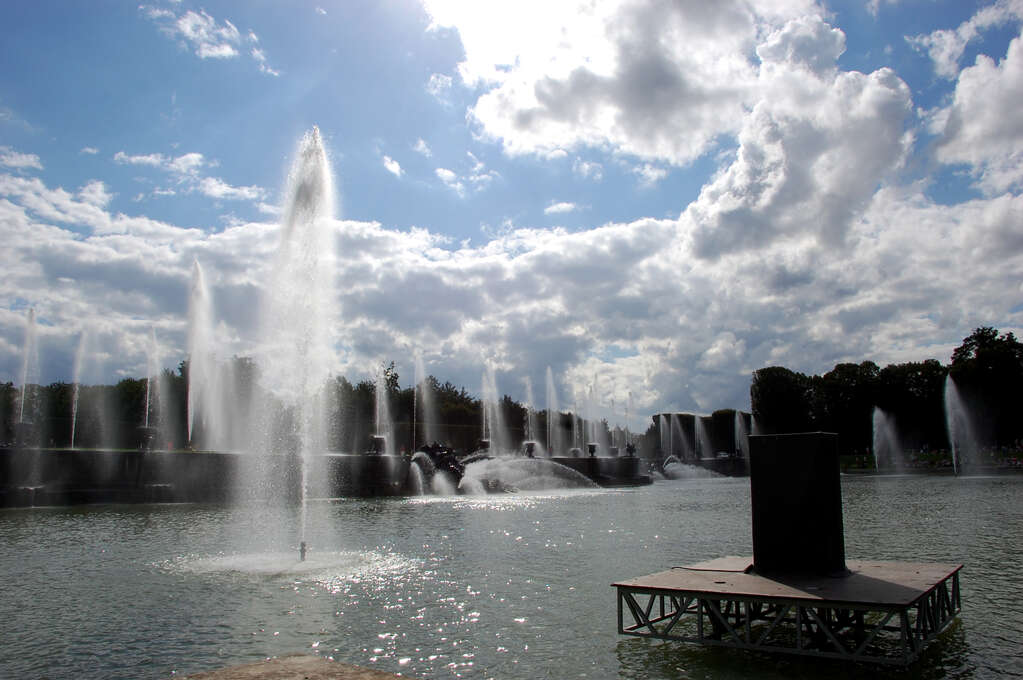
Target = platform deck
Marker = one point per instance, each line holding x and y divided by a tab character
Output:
881	611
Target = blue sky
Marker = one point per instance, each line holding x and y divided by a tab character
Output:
651	197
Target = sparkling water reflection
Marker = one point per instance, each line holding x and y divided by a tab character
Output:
503	586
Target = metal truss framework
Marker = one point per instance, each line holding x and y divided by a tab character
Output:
888	634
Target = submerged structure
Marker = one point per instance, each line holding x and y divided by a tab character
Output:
798	594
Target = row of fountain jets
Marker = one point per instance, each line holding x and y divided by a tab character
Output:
887	447
211	396
296	352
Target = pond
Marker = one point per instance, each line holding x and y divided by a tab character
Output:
501	586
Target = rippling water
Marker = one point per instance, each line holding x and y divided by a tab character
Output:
504	586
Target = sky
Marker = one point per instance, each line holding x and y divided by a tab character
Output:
654	198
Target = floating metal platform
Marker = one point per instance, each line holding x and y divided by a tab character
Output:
880	612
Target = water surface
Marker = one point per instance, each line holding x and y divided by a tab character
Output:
502	586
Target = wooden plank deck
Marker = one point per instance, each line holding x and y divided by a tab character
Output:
881	612
870	582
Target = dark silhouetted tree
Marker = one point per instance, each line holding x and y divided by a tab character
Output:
988	370
780	400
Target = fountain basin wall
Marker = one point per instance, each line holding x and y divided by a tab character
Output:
78	476
608	471
36	477
732	466
365	475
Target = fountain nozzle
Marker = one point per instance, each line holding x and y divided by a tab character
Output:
301	551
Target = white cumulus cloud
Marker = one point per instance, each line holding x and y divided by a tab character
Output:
186	171
422	147
439	85
560	207
588	169
979	128
15	159
154	160
215	187
649	173
655	79
450	179
208	38
811	151
946	46
392	166
95	193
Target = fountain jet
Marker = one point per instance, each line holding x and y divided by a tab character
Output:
885	440
296	353
29	362
554	443
201	359
76	382
423	395
383	421
962	440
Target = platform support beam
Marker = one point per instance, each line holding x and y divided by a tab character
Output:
884	634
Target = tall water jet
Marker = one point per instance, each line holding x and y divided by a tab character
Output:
599	432
585	398
576	423
76	381
741	435
90	423
628	430
590	412
615	430
152	370
886	444
29	364
426	404
146	432
296	355
202	364
554	444
493	419
382	412
532	422
664	430
25	434
962	439
705	448
680	440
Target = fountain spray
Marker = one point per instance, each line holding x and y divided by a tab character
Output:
29	361
297	352
76	381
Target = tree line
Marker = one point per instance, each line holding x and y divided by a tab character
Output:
987	369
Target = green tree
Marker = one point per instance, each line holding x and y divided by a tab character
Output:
988	370
914	393
843	401
8	404
780	400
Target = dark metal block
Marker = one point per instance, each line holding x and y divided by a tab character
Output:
796	499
